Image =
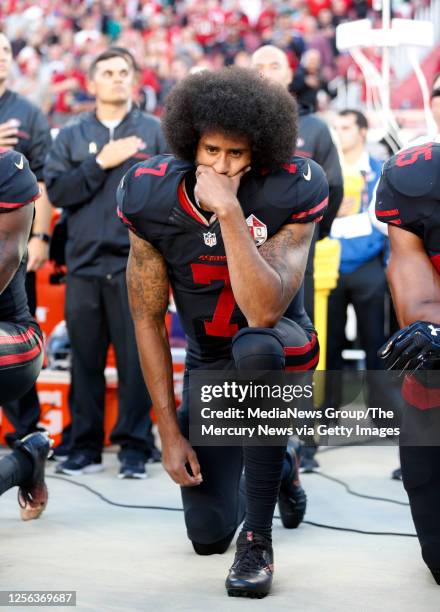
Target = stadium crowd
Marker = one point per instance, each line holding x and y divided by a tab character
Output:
55	41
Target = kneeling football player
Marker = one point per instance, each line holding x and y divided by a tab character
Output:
21	341
408	199
227	222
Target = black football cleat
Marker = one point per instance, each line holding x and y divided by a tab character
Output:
251	573
396	474
33	495
292	499
436	575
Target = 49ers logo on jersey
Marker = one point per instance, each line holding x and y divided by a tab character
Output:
257	229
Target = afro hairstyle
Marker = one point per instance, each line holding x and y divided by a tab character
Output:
236	102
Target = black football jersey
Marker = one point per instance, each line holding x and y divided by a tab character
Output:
408	195
152	202
18	188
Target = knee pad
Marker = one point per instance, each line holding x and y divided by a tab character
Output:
256	348
215	548
206	525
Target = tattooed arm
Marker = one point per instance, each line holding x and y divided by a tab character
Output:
265	280
15	227
148	290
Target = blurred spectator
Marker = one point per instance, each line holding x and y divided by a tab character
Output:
309	80
314	138
88	159
208	33
361	280
242	60
32	82
179	69
68	85
314	38
328	29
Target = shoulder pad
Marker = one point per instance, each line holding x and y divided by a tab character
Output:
18	185
148	189
300	187
415	172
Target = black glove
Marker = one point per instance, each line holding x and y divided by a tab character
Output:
413	347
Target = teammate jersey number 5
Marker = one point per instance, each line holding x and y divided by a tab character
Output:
220	324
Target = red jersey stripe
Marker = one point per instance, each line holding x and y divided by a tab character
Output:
13	205
20	338
387	213
187	206
21	357
311	211
122	216
435	259
419	396
300	350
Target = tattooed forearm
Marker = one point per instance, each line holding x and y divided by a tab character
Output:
286	253
147	281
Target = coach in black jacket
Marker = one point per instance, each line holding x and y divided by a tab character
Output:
83	169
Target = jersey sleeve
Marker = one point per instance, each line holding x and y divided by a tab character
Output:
129	198
18	184
407	188
146	193
301	188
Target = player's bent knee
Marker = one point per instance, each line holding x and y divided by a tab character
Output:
214	548
206	524
258	349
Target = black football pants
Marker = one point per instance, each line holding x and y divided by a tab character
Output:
21	359
97	313
24	413
214	509
365	288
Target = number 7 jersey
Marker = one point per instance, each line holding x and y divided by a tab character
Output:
153	203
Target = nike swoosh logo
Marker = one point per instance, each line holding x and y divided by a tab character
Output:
308	175
20	164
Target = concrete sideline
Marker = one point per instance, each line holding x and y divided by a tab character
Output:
120	559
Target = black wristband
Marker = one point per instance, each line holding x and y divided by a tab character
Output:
42	236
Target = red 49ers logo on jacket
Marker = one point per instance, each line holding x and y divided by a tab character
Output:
257	229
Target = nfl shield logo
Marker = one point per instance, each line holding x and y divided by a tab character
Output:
257	229
210	239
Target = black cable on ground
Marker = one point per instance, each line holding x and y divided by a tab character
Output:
363	495
361	531
170	509
109	501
